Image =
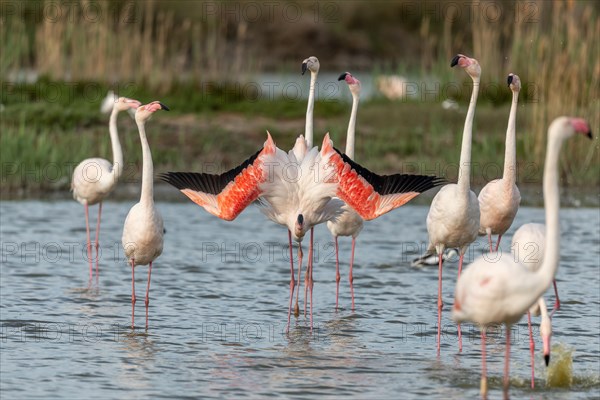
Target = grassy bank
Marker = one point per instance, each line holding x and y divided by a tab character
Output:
42	142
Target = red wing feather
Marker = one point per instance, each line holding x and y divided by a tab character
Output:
228	194
369	194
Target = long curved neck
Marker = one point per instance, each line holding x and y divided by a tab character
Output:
464	171
147	195
552	204
510	150
116	145
543	308
308	131
352	127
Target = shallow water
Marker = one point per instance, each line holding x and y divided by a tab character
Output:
219	305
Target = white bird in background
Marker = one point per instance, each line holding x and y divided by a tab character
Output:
349	223
143	229
95	178
309	64
499	199
302	200
453	219
502	290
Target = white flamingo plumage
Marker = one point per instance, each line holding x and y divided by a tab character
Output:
453	218
302	200
499	199
528	246
95	178
312	65
143	229
349	223
502	290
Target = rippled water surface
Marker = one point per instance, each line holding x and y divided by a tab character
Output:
219	305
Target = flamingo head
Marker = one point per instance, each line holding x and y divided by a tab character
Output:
124	104
569	126
312	64
353	83
144	112
299	226
470	65
546	333
514	82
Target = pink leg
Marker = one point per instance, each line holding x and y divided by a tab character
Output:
297	308
132	293
498	243
483	383
97	238
460	263
490	240
147	302
310	277
89	243
308	267
440	304
292	283
351	277
557	302
507	362
337	272
531	350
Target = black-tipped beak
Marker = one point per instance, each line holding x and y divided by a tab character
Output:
300	219
589	134
547	359
342	76
454	61
304	67
509	80
163	107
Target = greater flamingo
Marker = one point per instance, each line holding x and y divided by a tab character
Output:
95	178
309	64
501	290
499	199
303	200
143	229
349	223
453	219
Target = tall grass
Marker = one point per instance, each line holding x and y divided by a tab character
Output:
132	41
552	46
165	47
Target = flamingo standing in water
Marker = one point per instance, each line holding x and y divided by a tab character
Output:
143	229
95	178
453	219
499	199
349	223
299	202
309	64
502	290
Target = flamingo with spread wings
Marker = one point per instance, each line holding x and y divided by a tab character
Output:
302	201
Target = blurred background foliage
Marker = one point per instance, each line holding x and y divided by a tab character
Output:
170	50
